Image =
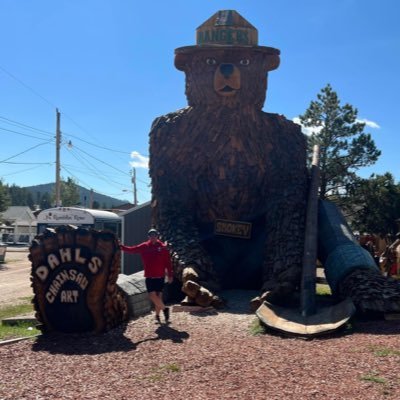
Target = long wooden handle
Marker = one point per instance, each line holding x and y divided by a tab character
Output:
309	272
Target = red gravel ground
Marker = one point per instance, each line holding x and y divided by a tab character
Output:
204	356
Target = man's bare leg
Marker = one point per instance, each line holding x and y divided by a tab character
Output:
156	299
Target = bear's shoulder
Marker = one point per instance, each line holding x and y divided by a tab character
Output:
280	121
166	121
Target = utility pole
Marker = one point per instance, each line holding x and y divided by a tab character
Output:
91	198
58	144
134	187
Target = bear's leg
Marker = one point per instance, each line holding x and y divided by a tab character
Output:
279	289
283	264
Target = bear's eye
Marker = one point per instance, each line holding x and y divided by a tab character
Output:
245	61
211	61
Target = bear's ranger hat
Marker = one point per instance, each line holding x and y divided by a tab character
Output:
226	29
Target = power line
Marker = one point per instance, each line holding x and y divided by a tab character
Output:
76	153
54	106
20	133
27	87
51	104
21	171
91	167
96	145
27	163
20	124
75	177
25	126
23	152
82	182
105	148
94	137
12	122
97	175
103	162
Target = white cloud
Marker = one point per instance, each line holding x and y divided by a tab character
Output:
307	130
370	124
316	129
139	161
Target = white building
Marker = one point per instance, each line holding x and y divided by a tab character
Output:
18	225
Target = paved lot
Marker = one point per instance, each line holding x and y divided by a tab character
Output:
15	272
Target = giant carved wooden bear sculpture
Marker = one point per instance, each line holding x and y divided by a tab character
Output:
229	180
222	158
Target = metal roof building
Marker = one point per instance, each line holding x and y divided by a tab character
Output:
136	222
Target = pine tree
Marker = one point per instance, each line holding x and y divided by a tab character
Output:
379	205
45	201
4	197
344	146
69	193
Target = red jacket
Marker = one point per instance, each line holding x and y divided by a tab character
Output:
155	257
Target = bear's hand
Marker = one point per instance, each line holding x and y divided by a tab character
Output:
371	291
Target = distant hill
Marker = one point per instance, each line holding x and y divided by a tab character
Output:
84	194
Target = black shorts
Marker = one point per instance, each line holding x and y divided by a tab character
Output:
154	284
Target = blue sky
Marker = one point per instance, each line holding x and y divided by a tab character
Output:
108	67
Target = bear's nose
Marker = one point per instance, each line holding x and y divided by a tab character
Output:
226	70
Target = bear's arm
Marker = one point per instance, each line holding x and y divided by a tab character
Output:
173	200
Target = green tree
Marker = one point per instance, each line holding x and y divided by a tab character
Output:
20	196
69	193
45	201
4	197
378	205
344	146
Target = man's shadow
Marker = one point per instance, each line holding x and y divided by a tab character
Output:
166	332
111	341
3	267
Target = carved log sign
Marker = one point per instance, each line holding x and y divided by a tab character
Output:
232	228
74	274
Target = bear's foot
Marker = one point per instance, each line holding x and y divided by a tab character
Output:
282	294
198	290
371	292
197	294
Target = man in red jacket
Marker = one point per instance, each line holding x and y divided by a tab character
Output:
157	264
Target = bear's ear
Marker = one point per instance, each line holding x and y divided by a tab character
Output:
181	61
271	62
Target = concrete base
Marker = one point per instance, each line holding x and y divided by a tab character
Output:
392	316
20	319
134	288
192	309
